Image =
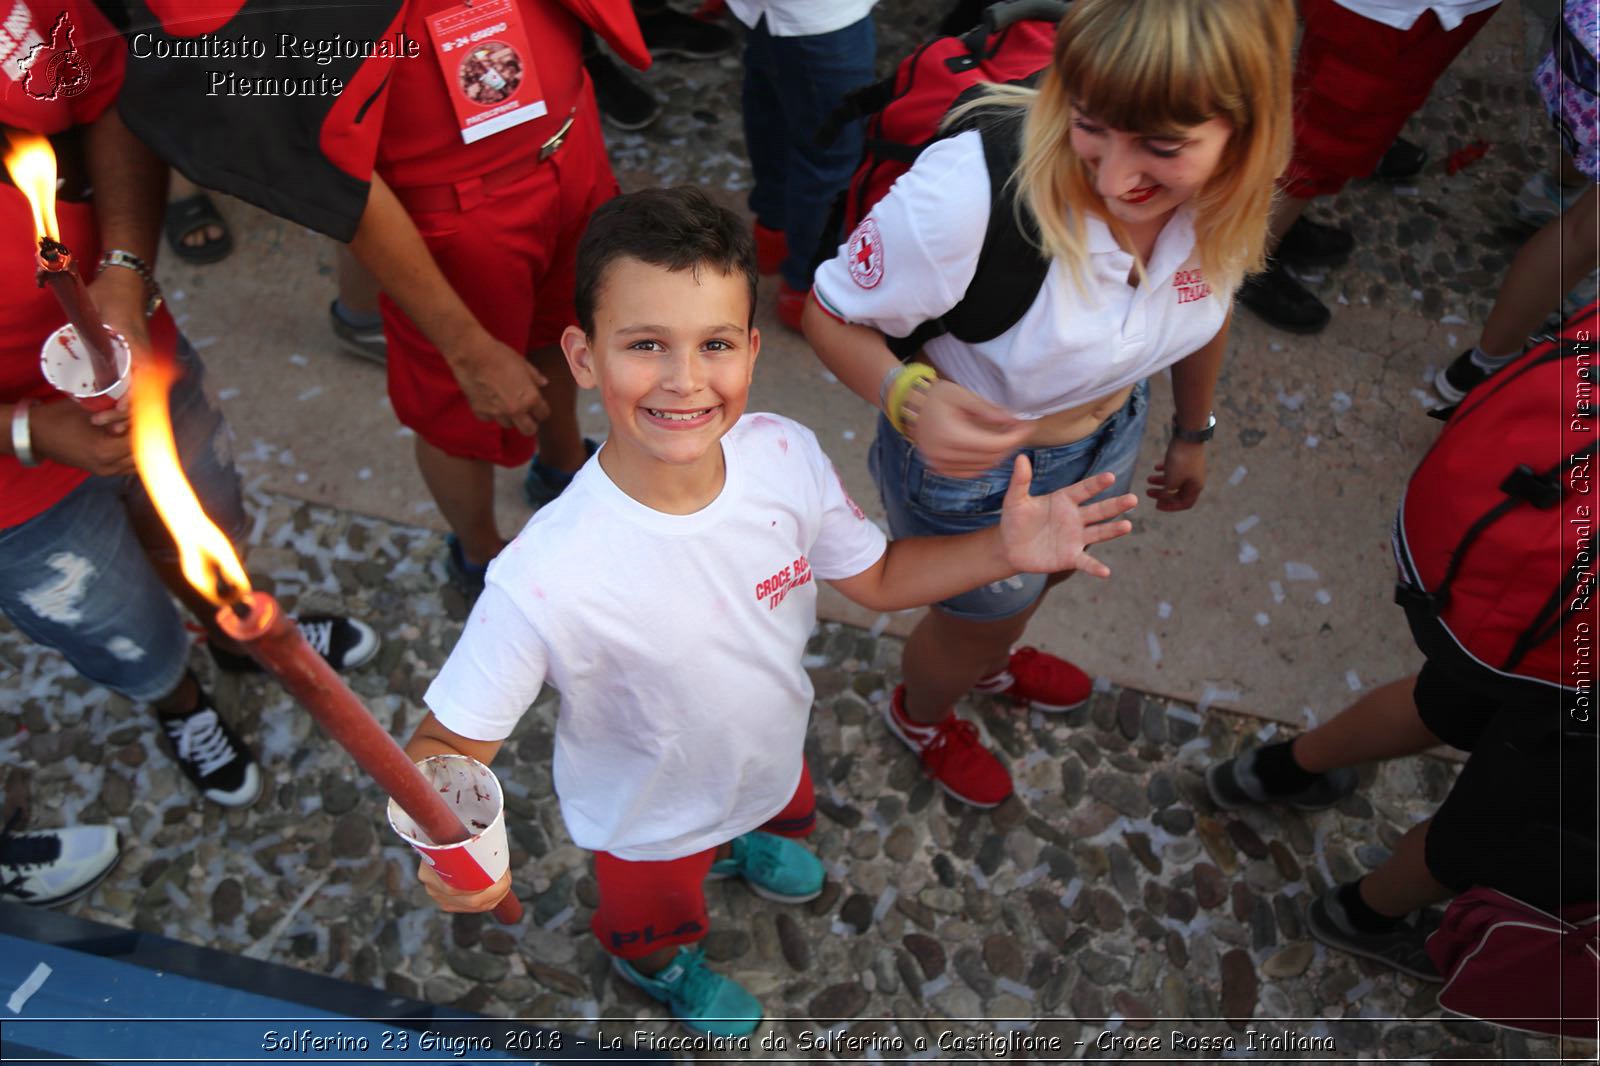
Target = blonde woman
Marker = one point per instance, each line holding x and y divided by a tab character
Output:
1146	162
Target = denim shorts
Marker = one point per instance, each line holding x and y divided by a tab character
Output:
922	503
77	578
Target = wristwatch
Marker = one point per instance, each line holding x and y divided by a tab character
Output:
1194	436
116	257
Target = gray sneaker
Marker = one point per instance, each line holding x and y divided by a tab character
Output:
1234	784
364	342
1403	947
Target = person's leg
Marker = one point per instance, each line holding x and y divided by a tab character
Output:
1544	270
771	860
464	491
358	290
202	237
946	655
1383	724
766	136
561	446
813	76
1403	883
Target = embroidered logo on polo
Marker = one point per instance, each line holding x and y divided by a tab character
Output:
865	255
775	588
1191	286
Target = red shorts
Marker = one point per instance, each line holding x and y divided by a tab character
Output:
511	258
646	906
1356	82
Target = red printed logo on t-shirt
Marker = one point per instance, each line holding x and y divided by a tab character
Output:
1191	286
773	589
855	508
864	254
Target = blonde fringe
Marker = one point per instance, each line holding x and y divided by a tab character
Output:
1155	65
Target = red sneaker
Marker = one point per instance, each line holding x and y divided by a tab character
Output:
791	305
1039	678
772	248
952	755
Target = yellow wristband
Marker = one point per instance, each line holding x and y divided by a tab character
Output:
916	374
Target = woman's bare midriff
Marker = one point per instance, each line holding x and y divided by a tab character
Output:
1076	423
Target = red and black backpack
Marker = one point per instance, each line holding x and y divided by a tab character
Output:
1495	533
905	114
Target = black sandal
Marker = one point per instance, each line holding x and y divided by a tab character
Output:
188	215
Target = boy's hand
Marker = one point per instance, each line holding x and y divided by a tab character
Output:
1178	481
1046	534
458	902
500	385
959	433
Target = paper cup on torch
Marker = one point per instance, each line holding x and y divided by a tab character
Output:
69	366
473	792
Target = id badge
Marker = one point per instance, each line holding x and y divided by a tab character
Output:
488	68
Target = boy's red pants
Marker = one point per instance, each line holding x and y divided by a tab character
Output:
646	906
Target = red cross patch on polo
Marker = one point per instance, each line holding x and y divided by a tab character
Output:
865	255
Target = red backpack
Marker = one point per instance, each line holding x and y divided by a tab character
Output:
905	114
1495	533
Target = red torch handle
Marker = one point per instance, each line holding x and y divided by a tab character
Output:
277	644
74	300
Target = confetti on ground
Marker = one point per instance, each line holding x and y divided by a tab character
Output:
1267	732
1416	294
229	393
1312	440
301	478
1452	320
1245	525
1154	644
1102	684
1299	572
203	343
405	431
830	377
848	434
1277	591
1262	619
1237	475
1275	346
310	394
424	507
1294	402
177	294
1163	609
1310	717
1344	300
1423	398
1341	402
1453	342
1352	679
1212	695
1324	596
298	360
1247	553
594	408
364	474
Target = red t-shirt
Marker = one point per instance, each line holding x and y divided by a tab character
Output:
421	140
35	47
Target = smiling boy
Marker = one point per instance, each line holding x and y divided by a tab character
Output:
669	594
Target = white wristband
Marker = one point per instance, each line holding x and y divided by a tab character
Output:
21	438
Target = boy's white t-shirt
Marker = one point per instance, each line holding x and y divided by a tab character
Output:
675	642
801	18
915	254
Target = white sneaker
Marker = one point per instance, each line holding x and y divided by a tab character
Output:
54	866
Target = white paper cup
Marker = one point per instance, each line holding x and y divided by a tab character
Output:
69	366
472	789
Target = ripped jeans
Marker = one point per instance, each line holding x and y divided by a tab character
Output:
78	577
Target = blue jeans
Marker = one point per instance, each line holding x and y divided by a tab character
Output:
922	503
791	86
78	577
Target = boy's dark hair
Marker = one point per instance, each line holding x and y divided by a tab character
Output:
677	228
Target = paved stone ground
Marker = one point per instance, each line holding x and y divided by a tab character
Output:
1108	890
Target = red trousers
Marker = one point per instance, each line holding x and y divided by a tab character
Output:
646	906
1356	82
511	256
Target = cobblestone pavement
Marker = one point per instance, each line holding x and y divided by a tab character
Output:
1108	890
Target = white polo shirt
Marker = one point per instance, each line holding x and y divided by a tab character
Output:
675	642
914	255
801	18
1403	14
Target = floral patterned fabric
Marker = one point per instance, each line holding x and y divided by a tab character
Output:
1566	79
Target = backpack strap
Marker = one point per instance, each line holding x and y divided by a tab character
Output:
1011	268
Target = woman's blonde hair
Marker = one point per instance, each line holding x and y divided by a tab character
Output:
1153	66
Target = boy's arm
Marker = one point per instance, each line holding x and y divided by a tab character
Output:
433	737
1036	535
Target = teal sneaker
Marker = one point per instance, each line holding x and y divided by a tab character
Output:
775	867
703	1000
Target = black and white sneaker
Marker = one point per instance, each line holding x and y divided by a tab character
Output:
1233	783
213	756
1459	378
1310	245
1278	299
344	642
49	867
1404	947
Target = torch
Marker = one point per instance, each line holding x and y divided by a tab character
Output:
85	359
257	622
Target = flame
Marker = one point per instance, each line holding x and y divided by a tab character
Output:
207	557
32	165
